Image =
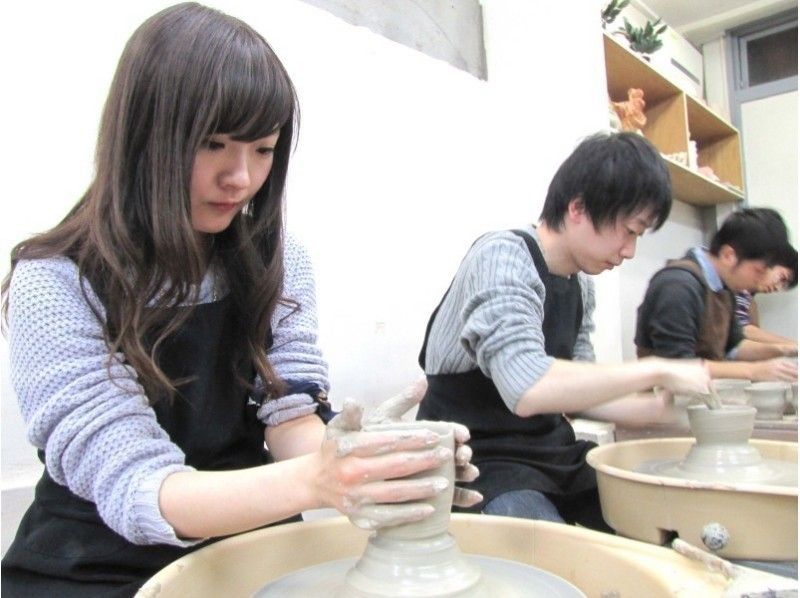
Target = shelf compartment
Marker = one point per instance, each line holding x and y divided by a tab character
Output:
704	124
625	70
666	125
693	188
717	142
673	118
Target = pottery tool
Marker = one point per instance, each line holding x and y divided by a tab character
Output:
712	399
743	582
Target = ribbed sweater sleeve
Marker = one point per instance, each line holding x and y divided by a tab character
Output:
492	318
294	354
100	436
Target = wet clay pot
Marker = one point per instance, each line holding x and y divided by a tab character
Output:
420	558
721	438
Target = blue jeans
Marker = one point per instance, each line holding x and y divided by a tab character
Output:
527	504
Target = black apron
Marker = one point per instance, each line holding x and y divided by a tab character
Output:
63	548
513	452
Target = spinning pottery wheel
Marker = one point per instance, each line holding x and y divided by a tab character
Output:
420	559
760	519
464	556
598	564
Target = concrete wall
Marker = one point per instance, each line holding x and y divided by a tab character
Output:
450	30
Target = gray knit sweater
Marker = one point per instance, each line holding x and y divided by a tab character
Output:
100	436
492	318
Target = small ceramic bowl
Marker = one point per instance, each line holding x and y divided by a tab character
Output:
769	399
731	390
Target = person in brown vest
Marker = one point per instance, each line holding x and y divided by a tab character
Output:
781	277
689	308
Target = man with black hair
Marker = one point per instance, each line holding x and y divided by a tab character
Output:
781	277
508	352
689	307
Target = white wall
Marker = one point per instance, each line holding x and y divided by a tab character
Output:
769	139
715	65
546	96
402	161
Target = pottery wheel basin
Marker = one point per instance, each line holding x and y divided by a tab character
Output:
598	564
761	519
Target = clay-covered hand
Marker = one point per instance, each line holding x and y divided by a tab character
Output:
684	376
364	473
394	408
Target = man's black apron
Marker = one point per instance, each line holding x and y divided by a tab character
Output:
63	548
512	452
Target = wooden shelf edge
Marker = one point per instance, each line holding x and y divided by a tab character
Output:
722	126
690	187
639	72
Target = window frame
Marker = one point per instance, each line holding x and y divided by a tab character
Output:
741	90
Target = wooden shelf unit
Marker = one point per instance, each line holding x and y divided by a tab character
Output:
673	119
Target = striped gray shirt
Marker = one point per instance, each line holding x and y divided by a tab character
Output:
492	318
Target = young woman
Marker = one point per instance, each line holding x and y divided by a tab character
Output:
166	329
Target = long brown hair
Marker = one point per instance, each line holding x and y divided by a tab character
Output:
186	73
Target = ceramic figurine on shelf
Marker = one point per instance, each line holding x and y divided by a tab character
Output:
631	111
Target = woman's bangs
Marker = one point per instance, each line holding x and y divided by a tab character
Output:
256	97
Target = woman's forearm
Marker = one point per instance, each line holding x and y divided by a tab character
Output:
296	437
201	504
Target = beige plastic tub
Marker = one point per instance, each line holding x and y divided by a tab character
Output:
599	564
761	519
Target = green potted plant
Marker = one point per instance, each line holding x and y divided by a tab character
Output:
612	10
644	40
